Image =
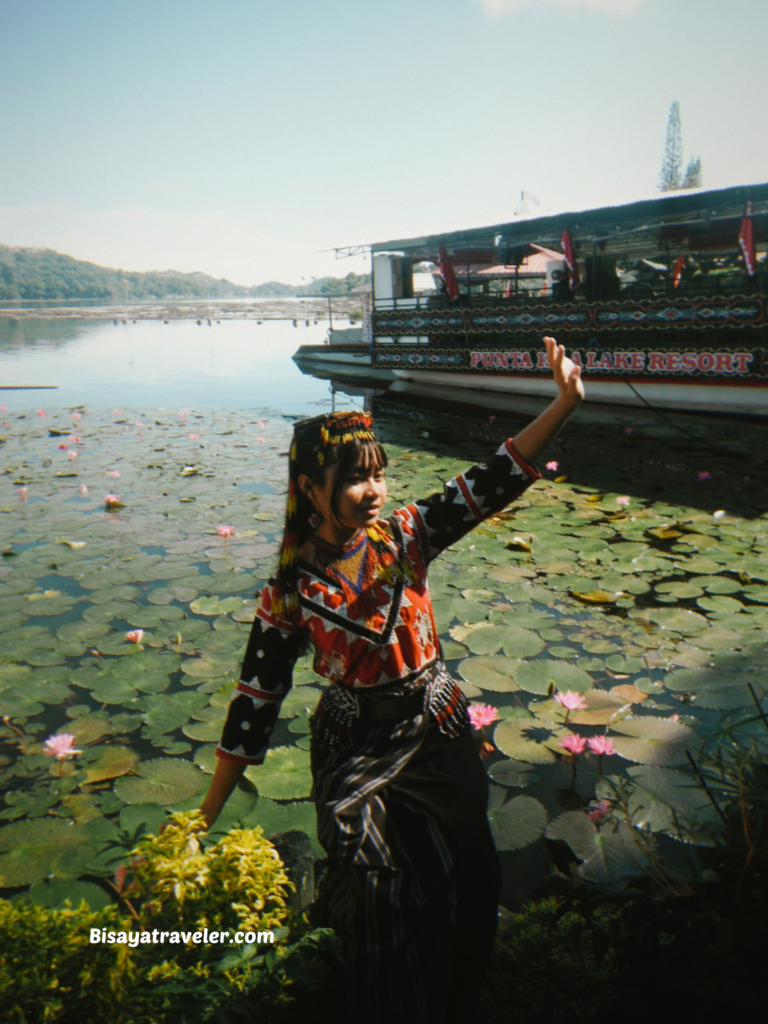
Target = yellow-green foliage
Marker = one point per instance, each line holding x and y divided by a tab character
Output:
239	883
51	973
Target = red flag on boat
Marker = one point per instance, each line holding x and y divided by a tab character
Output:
446	269
679	264
747	241
570	261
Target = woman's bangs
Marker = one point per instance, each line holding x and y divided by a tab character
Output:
370	456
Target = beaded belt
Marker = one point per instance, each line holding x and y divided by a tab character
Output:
435	692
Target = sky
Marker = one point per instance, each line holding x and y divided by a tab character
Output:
249	138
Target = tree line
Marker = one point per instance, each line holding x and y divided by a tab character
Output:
43	274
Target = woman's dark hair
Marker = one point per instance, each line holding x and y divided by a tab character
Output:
344	440
355	454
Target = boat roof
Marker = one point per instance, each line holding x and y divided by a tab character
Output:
694	218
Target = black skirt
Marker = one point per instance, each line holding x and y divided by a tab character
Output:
413	878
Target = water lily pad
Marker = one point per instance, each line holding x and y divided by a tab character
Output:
652	740
719	603
541	675
298	701
607	856
203	732
166	712
86	729
488	639
55	894
678	620
515	823
666	800
205	758
161	780
527	740
112	761
285	774
144	819
494	673
29	848
513	774
452	650
273	817
216	605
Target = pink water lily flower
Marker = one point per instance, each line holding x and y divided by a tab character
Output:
184	412
623	500
599	809
77	416
628	430
60	746
23	492
573	744
135	636
491	419
552	465
3	408
63	447
225	531
262	424
72	455
705	476
74	439
41	413
194	437
261	440
601	745
482	714
487	749
83	489
572	701
114	473
112	500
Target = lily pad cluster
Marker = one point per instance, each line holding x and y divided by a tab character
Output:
655	615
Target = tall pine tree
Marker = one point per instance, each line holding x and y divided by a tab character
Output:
671	176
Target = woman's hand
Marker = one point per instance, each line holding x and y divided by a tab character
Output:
565	372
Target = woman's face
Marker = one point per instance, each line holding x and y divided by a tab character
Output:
361	498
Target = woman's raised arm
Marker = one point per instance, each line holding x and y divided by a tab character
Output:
538	435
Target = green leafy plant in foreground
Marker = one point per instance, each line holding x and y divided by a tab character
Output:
50	971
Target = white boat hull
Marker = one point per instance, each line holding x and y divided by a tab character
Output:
750	399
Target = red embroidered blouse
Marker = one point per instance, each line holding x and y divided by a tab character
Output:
365	634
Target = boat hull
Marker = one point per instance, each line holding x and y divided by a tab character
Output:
747	397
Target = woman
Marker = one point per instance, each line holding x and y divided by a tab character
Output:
413	877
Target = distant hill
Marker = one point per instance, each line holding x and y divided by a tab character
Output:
30	274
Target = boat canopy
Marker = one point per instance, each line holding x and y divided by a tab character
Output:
693	220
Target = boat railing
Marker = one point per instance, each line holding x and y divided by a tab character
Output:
479	295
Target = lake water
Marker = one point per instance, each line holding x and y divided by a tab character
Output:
233	364
633	574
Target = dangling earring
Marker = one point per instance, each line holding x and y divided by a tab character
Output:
315	520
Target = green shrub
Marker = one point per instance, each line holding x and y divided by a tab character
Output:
51	972
553	963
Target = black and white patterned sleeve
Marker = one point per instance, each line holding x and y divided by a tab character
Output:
265	679
469	498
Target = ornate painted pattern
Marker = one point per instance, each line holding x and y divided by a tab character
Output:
663	314
451	359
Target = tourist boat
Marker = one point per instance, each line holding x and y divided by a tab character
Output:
662	302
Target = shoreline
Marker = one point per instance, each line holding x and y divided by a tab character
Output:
279	308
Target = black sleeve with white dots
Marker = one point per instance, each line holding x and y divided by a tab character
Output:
265	679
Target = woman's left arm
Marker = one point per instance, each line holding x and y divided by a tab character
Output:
538	435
